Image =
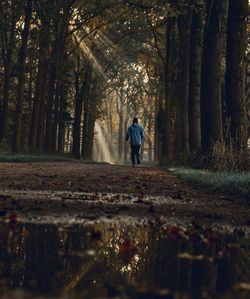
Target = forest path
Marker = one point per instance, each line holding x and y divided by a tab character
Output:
95	190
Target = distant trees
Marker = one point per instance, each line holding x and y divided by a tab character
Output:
236	72
179	66
47	101
212	74
204	78
20	76
9	16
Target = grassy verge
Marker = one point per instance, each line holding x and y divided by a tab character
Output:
226	182
34	158
8	158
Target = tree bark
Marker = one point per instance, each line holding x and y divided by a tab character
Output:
61	125
170	89
166	152
56	118
88	123
195	81
211	104
21	78
60	24
40	89
150	144
88	133
183	80
30	99
156	131
8	45
235	79
80	95
121	138
91	134
49	107
160	119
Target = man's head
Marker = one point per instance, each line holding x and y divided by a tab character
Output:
135	120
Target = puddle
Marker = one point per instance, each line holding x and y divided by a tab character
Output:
122	259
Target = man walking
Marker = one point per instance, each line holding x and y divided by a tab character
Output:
135	134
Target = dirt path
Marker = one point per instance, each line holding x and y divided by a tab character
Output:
63	188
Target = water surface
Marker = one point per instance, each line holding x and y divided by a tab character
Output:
123	259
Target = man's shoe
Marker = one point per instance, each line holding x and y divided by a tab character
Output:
138	161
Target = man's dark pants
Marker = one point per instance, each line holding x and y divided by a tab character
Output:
135	153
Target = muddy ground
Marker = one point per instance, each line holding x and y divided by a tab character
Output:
66	190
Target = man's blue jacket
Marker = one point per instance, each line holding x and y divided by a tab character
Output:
135	134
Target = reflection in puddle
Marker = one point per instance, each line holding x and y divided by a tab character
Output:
121	260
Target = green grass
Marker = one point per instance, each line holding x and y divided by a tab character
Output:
34	158
226	182
22	158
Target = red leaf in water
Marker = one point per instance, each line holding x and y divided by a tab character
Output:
174	231
126	251
211	236
13	218
193	235
25	233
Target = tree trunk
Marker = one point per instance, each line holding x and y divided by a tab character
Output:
211	105
166	144
41	82
156	132
170	90
91	134
77	119
8	45
60	23
183	78
150	145
49	106
195	81
125	144
87	133
175	130
21	79
160	120
30	98
61	125
121	138
235	80
80	97
6	87
86	130
41	124
84	150
56	118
